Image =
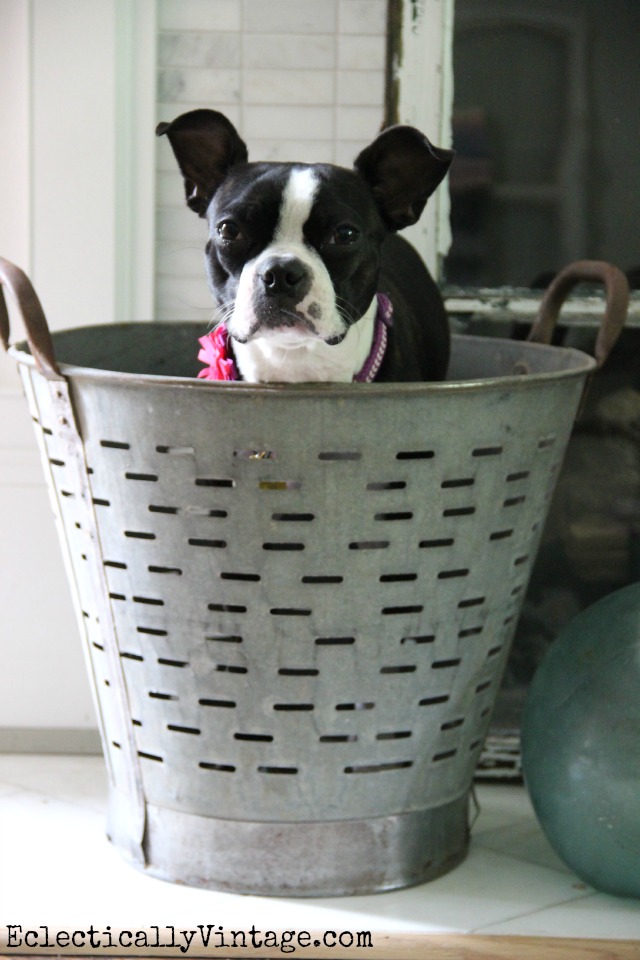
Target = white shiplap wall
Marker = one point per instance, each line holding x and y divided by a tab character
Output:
301	79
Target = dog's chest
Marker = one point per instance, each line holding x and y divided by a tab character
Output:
288	360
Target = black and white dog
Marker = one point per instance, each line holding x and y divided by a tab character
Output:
310	281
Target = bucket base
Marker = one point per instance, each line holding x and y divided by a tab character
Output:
311	859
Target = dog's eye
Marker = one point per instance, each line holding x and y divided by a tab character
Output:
344	234
228	230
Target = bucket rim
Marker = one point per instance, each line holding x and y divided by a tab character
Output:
580	364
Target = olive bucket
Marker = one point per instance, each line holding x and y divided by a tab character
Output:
297	601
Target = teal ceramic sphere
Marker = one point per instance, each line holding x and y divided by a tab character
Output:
581	744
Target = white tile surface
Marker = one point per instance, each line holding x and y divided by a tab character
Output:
198	85
79	781
313	123
200	14
288	86
194	49
304	151
290	16
297	52
6	789
592	916
523	840
358	123
52	815
360	52
484	887
363	16
361	88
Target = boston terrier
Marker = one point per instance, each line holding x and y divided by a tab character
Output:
310	280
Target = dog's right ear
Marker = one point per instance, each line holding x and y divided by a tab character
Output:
206	146
402	168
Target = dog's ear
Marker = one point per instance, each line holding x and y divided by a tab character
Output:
402	169
206	146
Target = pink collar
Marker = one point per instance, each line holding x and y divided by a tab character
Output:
384	319
217	355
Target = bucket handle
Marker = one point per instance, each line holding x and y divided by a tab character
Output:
617	300
33	317
41	346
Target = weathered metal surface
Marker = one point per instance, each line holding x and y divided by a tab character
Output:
313	592
297	600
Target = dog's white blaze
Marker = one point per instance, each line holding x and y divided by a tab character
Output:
297	201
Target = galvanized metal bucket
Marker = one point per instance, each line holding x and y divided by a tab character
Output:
296	601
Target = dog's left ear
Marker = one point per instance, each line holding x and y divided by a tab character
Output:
206	146
402	169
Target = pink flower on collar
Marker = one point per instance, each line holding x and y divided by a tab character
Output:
215	353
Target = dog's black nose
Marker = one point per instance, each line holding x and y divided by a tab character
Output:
283	275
